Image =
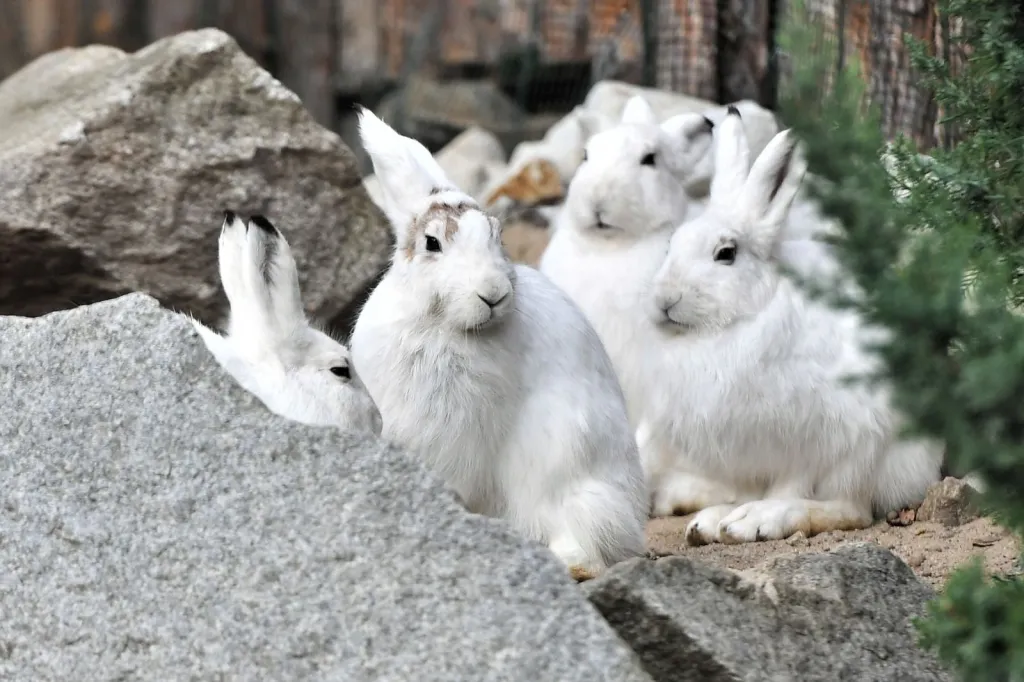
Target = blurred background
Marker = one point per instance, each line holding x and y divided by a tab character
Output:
434	67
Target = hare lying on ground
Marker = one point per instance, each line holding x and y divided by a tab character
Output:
622	207
491	374
270	348
754	424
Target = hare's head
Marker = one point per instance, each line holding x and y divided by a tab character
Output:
448	251
271	348
721	266
631	181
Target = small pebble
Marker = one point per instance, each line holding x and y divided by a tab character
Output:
901	517
797	539
915	560
985	541
921	530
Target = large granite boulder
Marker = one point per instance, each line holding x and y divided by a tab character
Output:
158	523
115	169
844	615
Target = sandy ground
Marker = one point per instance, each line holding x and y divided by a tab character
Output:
932	550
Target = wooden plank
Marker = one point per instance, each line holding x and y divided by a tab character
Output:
13	49
361	51
40	17
744	28
168	18
687	59
874	32
246	22
470	33
616	40
306	59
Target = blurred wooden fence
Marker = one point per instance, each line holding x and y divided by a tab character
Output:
716	49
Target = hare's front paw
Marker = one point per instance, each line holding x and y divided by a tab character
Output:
681	494
705	528
765	520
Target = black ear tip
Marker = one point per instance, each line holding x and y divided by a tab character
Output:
709	123
261	222
733	111
229	216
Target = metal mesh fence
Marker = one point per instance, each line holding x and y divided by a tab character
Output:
509	65
719	50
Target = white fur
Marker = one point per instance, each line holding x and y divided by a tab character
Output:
615	228
516	407
270	348
755	422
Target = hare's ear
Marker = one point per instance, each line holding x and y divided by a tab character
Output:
732	159
688	140
774	181
406	171
638	110
591	122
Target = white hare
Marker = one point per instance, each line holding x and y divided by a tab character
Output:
756	424
270	348
622	206
491	374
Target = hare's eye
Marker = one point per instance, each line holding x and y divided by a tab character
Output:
341	371
648	160
433	245
726	254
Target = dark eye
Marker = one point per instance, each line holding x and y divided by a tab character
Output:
433	245
726	254
584	154
341	371
648	160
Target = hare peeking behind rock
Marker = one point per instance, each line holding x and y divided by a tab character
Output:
756	423
491	374
270	348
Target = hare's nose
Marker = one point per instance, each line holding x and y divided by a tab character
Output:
492	301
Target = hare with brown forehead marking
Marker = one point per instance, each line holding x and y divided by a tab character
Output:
491	374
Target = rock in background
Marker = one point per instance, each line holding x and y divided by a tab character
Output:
115	168
158	523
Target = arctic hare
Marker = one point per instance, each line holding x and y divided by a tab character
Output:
756	425
270	348
622	207
491	374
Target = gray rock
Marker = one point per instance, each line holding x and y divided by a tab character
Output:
158	523
951	502
434	112
844	615
114	170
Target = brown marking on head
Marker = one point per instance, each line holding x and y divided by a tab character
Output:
447	213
